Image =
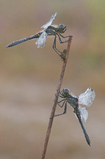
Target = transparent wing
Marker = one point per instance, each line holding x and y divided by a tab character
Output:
87	97
49	22
41	40
83	113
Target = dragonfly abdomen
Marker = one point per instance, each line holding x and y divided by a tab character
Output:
25	39
84	131
37	35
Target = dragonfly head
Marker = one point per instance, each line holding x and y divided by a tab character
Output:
65	92
62	28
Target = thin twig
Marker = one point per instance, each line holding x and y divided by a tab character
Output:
55	101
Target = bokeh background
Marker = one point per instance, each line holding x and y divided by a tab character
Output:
29	76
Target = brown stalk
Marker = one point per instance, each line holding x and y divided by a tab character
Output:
55	100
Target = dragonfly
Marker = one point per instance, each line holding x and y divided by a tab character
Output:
81	113
41	36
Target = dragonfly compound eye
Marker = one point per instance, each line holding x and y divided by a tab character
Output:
65	92
62	28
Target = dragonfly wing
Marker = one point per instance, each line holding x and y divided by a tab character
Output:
41	40
50	21
83	113
87	97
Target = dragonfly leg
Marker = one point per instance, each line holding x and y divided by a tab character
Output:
63	100
59	36
61	54
64	112
60	95
54	47
65	36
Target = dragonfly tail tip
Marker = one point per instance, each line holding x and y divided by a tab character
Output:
7	46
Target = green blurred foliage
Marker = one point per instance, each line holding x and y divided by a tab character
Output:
97	10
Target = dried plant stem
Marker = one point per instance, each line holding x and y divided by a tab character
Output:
55	101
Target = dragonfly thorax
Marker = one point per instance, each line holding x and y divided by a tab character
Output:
62	28
51	30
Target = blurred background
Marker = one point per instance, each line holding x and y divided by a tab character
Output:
29	77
